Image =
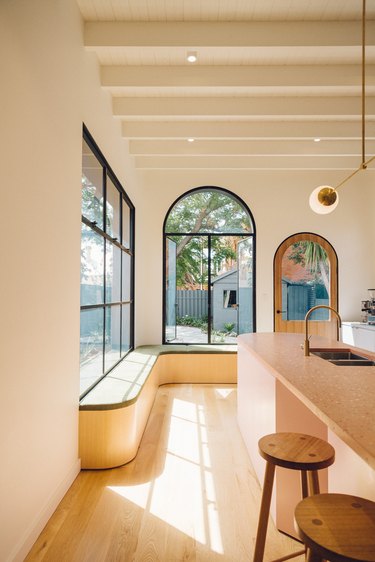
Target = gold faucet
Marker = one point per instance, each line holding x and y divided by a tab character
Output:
307	342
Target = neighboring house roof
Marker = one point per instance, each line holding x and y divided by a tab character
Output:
223	275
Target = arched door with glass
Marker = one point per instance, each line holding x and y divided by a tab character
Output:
208	268
305	276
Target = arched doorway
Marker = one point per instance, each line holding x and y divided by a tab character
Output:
209	256
305	275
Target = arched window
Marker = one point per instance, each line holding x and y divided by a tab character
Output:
209	252
305	276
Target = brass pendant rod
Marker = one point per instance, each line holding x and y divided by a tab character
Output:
363	81
364	163
348	177
363	166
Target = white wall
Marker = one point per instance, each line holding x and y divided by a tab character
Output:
279	203
49	85
370	216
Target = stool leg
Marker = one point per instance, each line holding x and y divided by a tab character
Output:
313	556
264	512
304	486
313	482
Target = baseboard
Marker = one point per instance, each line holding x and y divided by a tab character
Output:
24	545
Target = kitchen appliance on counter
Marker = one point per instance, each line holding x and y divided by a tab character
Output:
368	308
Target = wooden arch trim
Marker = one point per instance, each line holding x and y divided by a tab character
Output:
297	326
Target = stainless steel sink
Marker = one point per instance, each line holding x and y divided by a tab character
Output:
343	357
336	354
352	362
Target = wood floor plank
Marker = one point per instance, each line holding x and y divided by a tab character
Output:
189	495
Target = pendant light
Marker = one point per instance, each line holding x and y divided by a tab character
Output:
324	199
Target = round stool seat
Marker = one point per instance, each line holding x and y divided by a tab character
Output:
296	451
337	527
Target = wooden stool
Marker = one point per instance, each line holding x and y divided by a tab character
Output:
337	527
296	451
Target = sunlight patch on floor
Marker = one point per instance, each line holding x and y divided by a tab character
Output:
139	494
184	439
184	410
224	392
187	480
186	511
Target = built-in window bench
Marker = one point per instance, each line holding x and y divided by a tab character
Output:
113	415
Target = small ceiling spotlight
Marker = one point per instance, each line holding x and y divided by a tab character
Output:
317	139
190	139
191	56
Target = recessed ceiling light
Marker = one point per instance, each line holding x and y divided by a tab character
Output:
191	139
317	140
192	56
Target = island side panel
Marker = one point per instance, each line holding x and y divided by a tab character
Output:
293	416
266	406
256	400
350	474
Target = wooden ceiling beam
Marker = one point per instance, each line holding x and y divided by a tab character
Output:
240	106
226	34
246	129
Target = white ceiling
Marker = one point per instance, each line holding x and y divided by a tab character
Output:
271	76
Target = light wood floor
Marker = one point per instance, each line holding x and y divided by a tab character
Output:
189	495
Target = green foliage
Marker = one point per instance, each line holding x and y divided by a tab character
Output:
192	261
204	211
192	264
202	323
208	211
314	257
193	322
308	254
217	337
92	207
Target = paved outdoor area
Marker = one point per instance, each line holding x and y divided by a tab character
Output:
188	334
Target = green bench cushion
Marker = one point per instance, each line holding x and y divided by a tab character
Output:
121	387
168	349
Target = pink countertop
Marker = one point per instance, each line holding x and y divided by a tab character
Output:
343	397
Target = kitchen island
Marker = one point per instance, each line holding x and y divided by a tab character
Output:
279	389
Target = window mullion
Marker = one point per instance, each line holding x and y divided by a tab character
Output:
105	262
209	292
102	222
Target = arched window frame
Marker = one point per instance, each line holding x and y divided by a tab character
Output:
332	256
166	233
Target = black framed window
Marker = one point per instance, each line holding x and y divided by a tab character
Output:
209	268
107	268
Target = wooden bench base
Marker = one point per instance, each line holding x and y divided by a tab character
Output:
111	437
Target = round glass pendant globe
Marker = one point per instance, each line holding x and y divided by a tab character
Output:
324	199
